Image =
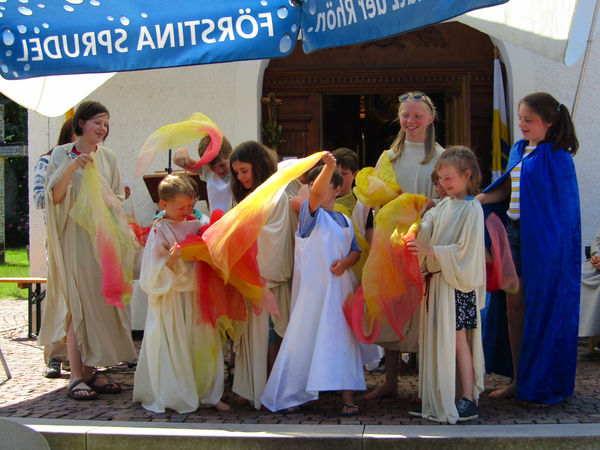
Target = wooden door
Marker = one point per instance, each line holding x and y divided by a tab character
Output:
451	62
458	112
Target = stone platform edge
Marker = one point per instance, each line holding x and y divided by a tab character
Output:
94	434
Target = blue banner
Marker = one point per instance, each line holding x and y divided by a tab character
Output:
58	37
55	37
333	23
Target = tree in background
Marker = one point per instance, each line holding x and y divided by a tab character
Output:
15	176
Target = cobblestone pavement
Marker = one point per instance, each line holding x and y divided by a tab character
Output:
29	394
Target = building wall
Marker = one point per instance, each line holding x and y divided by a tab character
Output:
528	73
141	102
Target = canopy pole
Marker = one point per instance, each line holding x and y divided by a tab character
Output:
588	47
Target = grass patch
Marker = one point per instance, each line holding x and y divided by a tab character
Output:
16	265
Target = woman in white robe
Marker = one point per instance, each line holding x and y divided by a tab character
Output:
97	334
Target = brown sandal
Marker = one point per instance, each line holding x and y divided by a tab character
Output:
109	387
73	391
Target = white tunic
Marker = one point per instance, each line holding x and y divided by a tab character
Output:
219	193
181	363
74	275
455	229
319	351
275	260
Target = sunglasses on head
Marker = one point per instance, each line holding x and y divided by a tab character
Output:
413	96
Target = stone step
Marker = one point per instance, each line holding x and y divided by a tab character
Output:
87	435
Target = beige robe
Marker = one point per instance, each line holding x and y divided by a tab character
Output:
455	229
419	183
181	361
589	316
74	275
276	263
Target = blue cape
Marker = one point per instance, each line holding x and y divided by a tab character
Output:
551	264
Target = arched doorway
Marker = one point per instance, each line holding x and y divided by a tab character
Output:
348	96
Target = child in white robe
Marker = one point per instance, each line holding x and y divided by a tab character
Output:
319	350
180	364
216	173
256	347
451	242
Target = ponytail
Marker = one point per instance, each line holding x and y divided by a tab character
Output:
562	131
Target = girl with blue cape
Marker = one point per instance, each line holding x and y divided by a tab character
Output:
544	229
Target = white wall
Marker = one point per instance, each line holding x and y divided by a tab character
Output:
141	102
527	73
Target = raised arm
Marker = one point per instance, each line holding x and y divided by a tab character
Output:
321	184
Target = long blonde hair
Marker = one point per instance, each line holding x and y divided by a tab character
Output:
397	146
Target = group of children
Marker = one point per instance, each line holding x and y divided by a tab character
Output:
284	361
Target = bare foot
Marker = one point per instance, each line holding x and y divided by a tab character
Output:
382	391
293	410
505	392
222	406
240	400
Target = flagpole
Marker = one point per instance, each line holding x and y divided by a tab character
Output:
585	59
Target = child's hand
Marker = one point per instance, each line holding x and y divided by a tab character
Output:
595	260
418	248
174	254
329	160
337	268
181	157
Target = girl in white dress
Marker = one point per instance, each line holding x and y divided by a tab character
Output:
319	351
451	242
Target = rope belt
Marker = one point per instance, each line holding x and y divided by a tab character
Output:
428	276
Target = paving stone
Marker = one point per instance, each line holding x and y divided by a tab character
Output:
30	395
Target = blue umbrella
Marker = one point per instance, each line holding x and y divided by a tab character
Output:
42	37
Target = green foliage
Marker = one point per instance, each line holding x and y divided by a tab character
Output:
17	221
15	120
17	215
272	134
16	265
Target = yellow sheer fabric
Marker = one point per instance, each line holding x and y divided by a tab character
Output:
377	186
100	213
228	250
178	134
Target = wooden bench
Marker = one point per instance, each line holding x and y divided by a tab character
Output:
35	295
